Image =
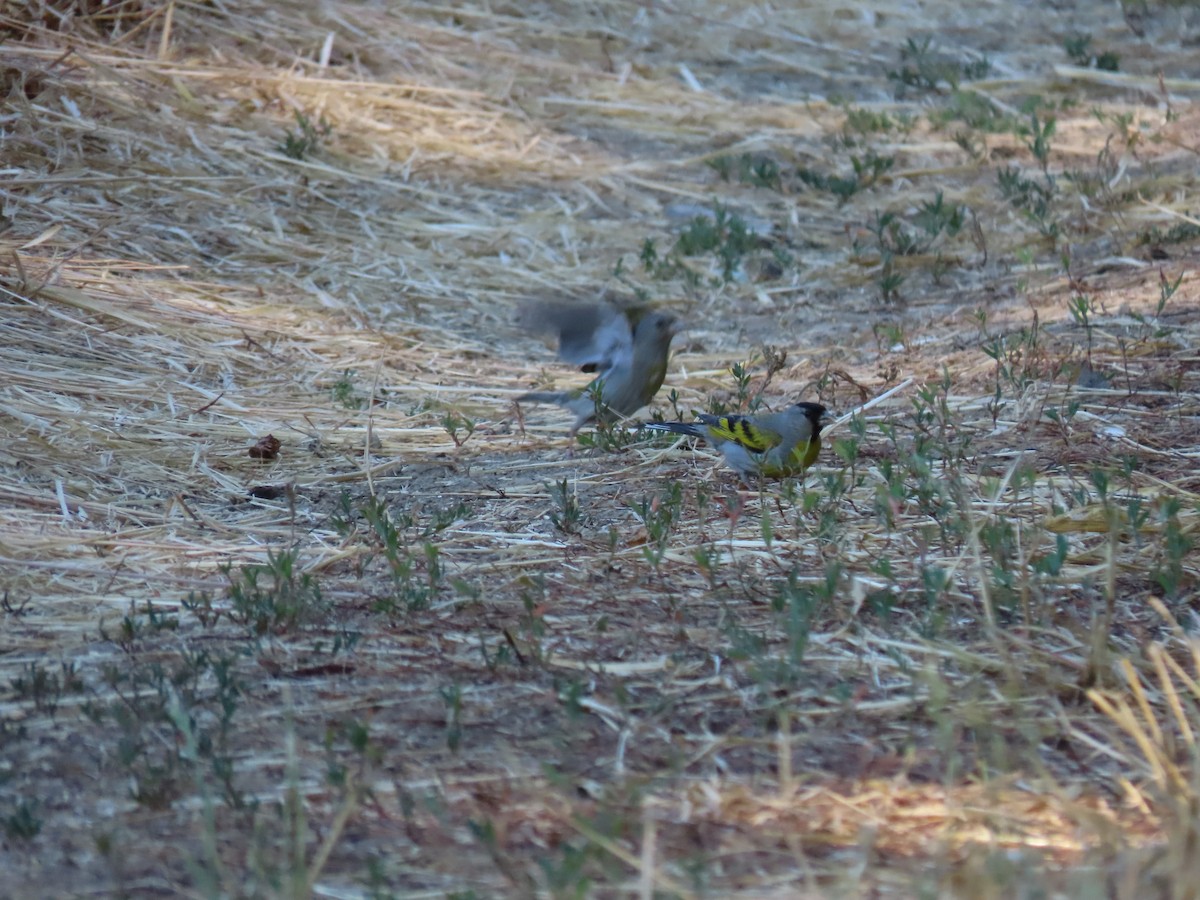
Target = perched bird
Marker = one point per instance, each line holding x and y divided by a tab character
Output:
772	445
626	347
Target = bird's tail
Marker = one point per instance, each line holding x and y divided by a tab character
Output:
676	428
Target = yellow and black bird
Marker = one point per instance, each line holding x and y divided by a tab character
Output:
626	346
770	445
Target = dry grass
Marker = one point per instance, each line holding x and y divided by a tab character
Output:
430	650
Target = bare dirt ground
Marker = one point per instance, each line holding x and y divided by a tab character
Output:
429	648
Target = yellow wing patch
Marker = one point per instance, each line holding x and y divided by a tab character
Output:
741	431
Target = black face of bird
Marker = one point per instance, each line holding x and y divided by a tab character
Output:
814	412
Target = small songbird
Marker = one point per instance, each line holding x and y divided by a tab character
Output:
770	445
626	346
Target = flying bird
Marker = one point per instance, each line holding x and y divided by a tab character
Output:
626	346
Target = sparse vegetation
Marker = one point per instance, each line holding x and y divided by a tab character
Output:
723	234
458	426
274	598
862	124
1079	50
455	653
867	169
975	110
747	168
1033	198
306	139
924	67
345	393
566	515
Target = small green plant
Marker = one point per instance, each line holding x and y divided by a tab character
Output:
890	336
412	561
46	687
867	169
742	378
1166	290
1000	541
567	515
1083	311
1127	130
1037	136
648	255
200	604
749	168
274	598
565	869
532	621
975	147
922	67
676	411
1032	198
1063	417
935	581
454	422
935	424
280	851
349	736
933	222
975	110
926	231
1078	48
749	388
442	517
707	557
412	589
135	628
659	516
665	267
306	138
1181	233
452	697
776	659
1169	572
977	69
154	704
863	122
825	503
344	392
890	279
938	219
724	234
23	823
726	238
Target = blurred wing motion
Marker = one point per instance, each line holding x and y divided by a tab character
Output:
597	337
626	347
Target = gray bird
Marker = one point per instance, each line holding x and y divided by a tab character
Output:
626	346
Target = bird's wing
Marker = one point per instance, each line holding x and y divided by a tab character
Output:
743	431
597	337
